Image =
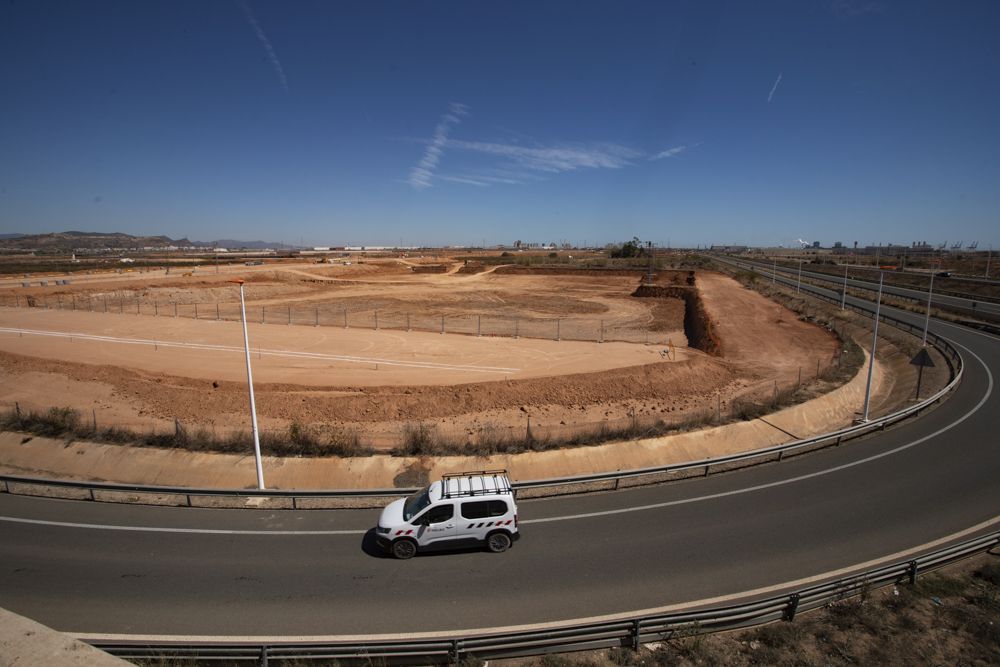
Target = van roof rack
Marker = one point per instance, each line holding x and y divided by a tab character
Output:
451	485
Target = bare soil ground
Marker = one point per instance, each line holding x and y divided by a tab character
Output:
950	617
377	382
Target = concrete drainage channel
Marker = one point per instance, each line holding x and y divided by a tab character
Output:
373	498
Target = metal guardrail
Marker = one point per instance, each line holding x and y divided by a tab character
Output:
365	498
767	270
562	637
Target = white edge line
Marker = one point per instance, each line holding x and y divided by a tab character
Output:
651	611
588	515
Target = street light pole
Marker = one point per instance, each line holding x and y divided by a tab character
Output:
871	360
253	405
843	297
927	318
799	281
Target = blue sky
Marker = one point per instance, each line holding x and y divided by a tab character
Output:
463	122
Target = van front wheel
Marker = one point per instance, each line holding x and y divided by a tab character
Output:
498	542
404	549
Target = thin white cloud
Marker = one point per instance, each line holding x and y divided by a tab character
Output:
422	174
266	43
670	152
555	159
774	87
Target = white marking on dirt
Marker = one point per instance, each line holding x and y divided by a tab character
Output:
320	356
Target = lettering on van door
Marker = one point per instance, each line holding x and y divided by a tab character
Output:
438	523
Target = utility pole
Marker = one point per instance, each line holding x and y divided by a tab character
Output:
649	272
798	283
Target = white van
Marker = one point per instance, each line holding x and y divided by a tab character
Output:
465	508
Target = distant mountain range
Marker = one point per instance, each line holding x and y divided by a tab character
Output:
94	241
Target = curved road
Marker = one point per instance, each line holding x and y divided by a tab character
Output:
964	304
100	570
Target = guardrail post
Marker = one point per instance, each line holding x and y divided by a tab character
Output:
793	606
912	571
263	656
636	629
454	653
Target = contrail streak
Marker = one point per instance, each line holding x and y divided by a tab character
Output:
422	174
774	88
266	43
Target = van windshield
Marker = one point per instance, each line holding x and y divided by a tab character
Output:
415	503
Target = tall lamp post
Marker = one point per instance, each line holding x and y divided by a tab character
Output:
871	359
253	405
927	318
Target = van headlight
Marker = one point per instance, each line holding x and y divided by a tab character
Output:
382	531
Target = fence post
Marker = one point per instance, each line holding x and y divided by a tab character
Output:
175	309
156	308
317	317
262	314
376	319
558	329
602	332
121	305
196	310
345	317
217	317
289	315
516	322
137	307
407	321
479	325
105	304
793	606
94	414
442	324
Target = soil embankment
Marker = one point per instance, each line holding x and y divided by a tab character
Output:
698	326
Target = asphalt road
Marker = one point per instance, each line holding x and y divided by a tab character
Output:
100	569
969	306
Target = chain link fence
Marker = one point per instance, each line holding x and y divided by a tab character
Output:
334	315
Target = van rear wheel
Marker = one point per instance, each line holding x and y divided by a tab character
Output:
404	549
498	542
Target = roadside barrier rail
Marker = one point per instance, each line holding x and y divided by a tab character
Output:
453	648
767	270
271	499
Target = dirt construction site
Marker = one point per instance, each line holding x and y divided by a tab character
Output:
376	347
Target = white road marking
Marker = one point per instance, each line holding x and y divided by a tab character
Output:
653	611
196	531
791	480
570	517
272	353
